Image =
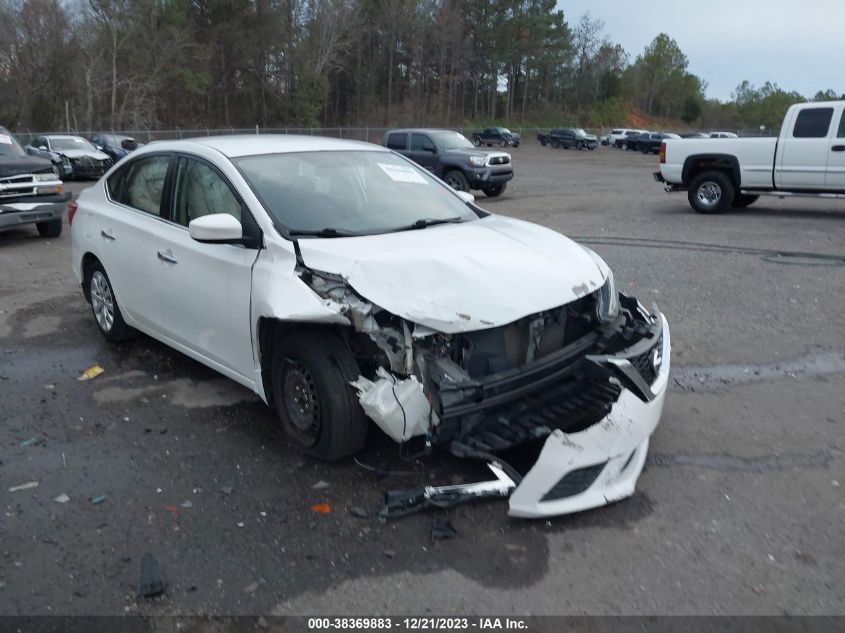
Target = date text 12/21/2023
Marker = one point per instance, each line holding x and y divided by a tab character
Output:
427	623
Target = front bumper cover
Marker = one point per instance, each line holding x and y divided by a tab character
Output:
33	210
601	464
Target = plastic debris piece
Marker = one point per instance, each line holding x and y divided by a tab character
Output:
240	524
251	587
359	512
62	498
151	581
98	500
321	485
227	490
92	372
29	442
187	504
27	486
390	553
321	508
442	529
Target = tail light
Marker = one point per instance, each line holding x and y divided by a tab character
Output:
662	153
71	211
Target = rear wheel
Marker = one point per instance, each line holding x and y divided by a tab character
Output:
555	144
495	190
578	145
543	142
51	228
457	181
743	200
711	192
104	305
316	405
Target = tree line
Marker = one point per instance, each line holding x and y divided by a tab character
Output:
134	64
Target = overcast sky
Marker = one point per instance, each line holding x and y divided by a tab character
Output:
798	44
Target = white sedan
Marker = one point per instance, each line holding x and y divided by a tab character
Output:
344	285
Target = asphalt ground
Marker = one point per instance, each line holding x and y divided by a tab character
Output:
740	509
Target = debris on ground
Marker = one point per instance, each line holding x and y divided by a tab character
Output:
62	498
91	373
251	587
29	442
151	581
321	485
98	500
227	490
321	508
172	509
359	512
442	529
27	486
390	553
187	504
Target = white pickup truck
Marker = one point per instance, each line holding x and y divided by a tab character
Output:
807	159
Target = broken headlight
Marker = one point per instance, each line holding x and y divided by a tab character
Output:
607	304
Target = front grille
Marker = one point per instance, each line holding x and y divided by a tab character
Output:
574	482
499	160
644	363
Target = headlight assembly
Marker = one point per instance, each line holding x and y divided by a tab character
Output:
607	306
477	161
48	177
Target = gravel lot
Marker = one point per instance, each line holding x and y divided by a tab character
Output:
740	509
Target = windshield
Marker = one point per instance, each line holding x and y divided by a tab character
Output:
70	142
350	192
451	140
9	146
580	131
504	130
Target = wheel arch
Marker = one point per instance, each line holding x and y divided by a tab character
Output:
699	163
88	261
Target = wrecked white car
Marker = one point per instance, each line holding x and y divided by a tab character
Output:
345	284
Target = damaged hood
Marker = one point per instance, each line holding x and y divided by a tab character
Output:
461	277
83	153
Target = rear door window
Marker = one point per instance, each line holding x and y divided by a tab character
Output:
813	123
144	184
397	141
841	132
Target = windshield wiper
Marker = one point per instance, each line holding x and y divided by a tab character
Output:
427	222
324	232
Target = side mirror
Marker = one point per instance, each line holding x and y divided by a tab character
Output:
43	148
466	196
217	228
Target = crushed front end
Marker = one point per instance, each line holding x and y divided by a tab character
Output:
562	401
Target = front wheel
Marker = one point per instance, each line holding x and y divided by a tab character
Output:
744	200
555	144
104	305
578	145
543	142
476	141
316	405
51	228
711	192
503	143
457	181
495	190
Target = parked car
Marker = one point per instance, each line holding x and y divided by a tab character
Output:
73	156
342	282
618	133
451	157
694	135
30	190
500	136
115	145
650	143
630	139
723	135
807	159
569	137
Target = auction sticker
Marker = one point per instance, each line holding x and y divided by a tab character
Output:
401	173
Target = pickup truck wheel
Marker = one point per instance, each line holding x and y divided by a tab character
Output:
711	192
457	181
503	143
543	142
743	200
555	144
104	305
318	408
51	228
496	190
578	145
476	141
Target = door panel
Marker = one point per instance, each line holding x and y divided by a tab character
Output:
421	156
803	162
836	157
205	289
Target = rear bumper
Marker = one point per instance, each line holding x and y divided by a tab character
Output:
33	211
602	463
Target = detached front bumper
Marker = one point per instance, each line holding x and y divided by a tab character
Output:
601	464
33	211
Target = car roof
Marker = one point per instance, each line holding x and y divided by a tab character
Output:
61	136
424	130
238	145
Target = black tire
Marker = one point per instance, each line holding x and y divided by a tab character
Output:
496	190
316	405
476	141
456	180
503	143
543	142
578	145
50	228
555	144
744	200
100	294
711	192
591	147
624	147
515	144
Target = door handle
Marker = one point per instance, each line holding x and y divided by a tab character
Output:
167	257
107	235
838	148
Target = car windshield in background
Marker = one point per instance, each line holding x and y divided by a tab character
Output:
349	192
580	131
9	146
70	143
451	140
